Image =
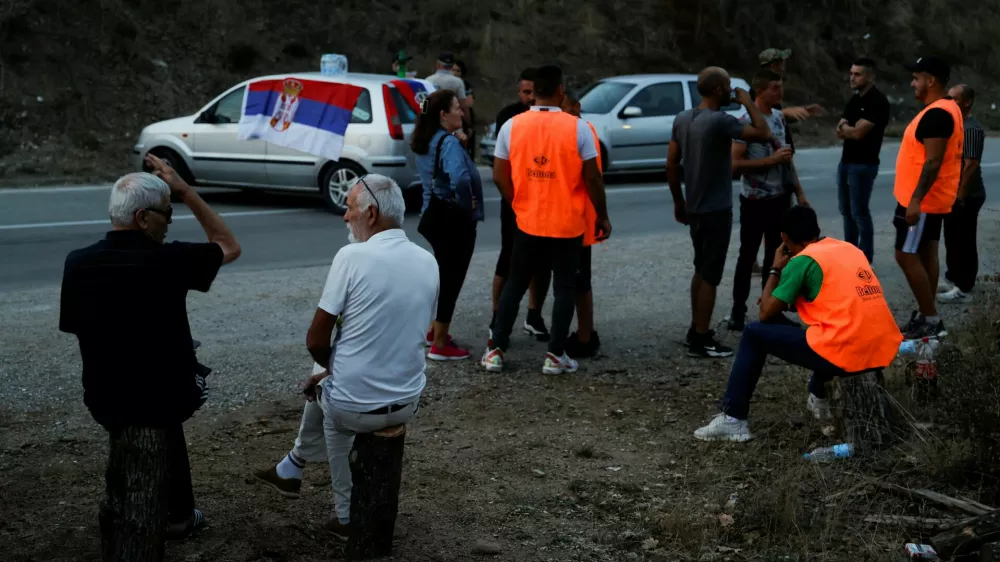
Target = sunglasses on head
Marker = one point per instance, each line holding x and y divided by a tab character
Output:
364	183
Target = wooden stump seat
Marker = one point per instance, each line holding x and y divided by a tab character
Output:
376	471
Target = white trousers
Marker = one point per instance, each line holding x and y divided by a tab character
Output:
327	433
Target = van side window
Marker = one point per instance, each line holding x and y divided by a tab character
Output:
696	98
363	108
229	108
660	100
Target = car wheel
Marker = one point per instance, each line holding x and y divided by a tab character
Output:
336	182
604	158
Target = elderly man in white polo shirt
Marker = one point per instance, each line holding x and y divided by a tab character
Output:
369	329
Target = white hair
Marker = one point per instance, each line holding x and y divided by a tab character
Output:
388	195
135	191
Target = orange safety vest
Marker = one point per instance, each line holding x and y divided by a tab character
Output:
547	172
911	158
590	213
849	323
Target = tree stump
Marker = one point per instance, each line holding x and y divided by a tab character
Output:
133	516
969	536
866	412
376	471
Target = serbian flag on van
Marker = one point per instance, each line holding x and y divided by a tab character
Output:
413	91
306	115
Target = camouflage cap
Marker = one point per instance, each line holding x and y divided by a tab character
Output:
767	56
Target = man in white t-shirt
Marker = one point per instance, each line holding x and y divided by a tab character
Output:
369	329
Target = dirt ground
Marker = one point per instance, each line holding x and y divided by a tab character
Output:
596	466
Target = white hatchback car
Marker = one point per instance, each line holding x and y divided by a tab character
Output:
204	149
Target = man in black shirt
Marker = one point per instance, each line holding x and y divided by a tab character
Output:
961	253
533	324
124	299
861	127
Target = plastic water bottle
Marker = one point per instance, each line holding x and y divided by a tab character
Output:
332	64
926	364
909	348
823	454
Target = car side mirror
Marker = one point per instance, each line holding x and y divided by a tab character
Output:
207	116
631	111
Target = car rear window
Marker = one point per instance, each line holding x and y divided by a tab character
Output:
696	98
602	97
363	108
406	114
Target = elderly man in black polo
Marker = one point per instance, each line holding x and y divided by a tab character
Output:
124	299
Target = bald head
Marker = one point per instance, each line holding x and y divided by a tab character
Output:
964	96
714	85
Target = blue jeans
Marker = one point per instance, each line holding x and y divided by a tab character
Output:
785	342
854	191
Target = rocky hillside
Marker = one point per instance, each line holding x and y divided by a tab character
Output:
79	79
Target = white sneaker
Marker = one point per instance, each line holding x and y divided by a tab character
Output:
492	360
725	428
954	296
558	365
944	285
820	407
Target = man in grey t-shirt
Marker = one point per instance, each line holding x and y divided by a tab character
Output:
702	138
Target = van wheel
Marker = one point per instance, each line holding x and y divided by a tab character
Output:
336	182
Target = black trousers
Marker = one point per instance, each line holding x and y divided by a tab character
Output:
758	218
961	254
536	255
452	236
148	486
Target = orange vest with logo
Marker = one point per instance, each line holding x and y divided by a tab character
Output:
911	158
849	323
547	172
590	214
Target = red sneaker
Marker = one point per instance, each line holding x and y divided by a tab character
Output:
450	352
430	337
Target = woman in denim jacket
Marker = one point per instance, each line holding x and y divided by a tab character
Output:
453	204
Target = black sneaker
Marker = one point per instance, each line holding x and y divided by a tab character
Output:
575	348
920	328
706	346
535	326
912	323
736	323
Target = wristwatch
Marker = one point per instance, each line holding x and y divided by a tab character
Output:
774	271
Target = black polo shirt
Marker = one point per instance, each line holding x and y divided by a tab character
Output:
874	107
125	300
508	113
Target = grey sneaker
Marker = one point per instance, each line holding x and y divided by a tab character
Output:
724	428
819	407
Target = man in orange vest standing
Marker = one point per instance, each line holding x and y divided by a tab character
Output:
850	328
546	164
928	169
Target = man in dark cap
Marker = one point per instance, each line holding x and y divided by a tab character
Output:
928	170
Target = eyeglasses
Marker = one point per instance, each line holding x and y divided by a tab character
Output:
377	208
167	214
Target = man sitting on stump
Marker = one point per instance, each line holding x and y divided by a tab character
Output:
850	329
368	331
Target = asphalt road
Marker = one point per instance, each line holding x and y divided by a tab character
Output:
39	226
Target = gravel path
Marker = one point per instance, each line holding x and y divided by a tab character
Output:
252	324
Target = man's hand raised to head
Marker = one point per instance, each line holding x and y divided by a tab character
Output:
163	171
